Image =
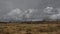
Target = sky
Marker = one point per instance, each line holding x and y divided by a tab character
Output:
25	4
8	5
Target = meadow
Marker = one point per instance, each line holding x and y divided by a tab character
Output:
40	28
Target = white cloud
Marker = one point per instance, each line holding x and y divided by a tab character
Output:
15	11
32	15
48	9
55	16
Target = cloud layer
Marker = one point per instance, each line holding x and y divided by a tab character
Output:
48	14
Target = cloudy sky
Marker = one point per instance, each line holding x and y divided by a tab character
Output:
8	5
25	4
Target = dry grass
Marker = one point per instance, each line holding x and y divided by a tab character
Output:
17	28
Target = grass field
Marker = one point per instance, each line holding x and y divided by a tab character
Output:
17	28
